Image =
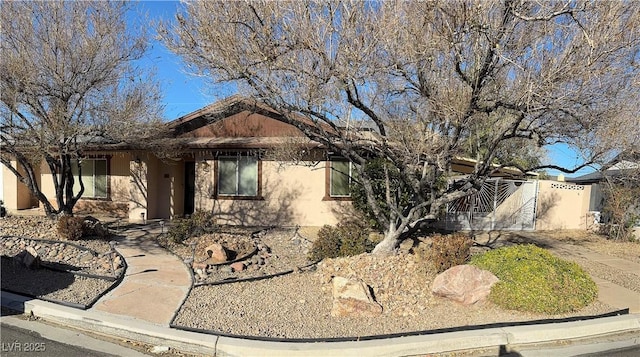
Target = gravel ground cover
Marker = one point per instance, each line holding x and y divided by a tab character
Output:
266	252
89	256
298	305
51	285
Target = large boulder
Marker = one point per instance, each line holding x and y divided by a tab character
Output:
217	253
465	284
353	297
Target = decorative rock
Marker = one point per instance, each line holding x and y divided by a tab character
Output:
202	266
466	284
28	258
87	257
160	349
353	297
92	227
201	273
238	266
117	261
217	253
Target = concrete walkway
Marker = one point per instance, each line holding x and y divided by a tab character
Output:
609	293
155	282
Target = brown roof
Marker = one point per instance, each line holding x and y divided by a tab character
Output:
236	116
245	142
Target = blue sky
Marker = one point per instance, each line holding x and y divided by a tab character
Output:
184	93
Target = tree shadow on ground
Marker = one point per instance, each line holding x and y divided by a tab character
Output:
498	239
32	282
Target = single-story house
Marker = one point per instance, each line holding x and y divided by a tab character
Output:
618	168
240	162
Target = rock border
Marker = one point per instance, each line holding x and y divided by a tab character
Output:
51	265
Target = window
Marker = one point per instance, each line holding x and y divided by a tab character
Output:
238	176
94	178
340	178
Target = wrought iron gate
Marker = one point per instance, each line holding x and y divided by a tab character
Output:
499	205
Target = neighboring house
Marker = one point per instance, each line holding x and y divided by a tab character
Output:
618	168
239	161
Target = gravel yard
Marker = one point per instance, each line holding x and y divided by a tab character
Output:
298	305
83	257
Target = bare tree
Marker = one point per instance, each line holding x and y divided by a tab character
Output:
68	81
419	83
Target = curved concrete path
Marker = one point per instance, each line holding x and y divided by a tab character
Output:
155	282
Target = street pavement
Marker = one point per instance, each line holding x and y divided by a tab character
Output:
22	338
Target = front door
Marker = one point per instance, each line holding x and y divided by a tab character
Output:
189	187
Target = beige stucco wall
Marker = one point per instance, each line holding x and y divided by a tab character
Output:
293	195
15	194
119	182
165	188
562	206
138	183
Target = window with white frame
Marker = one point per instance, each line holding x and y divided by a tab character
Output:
94	178
340	178
238	176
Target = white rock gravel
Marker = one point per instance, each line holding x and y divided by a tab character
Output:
16	233
298	305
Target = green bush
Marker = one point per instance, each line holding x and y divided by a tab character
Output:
346	239
532	279
450	250
198	223
70	228
327	245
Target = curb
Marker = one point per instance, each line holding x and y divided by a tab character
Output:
496	338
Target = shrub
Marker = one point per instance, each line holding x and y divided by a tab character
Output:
346	239
450	250
532	279
327	245
70	228
197	224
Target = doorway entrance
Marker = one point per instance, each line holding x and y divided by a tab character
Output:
189	187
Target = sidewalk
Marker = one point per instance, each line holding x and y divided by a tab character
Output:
608	292
155	283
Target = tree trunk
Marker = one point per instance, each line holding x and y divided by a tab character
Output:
389	244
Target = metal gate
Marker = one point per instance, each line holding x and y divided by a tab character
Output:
499	205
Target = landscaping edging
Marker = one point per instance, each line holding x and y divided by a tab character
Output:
505	338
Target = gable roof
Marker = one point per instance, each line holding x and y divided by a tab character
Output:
235	116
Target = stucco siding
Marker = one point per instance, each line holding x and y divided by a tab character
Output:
291	195
16	195
562	205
